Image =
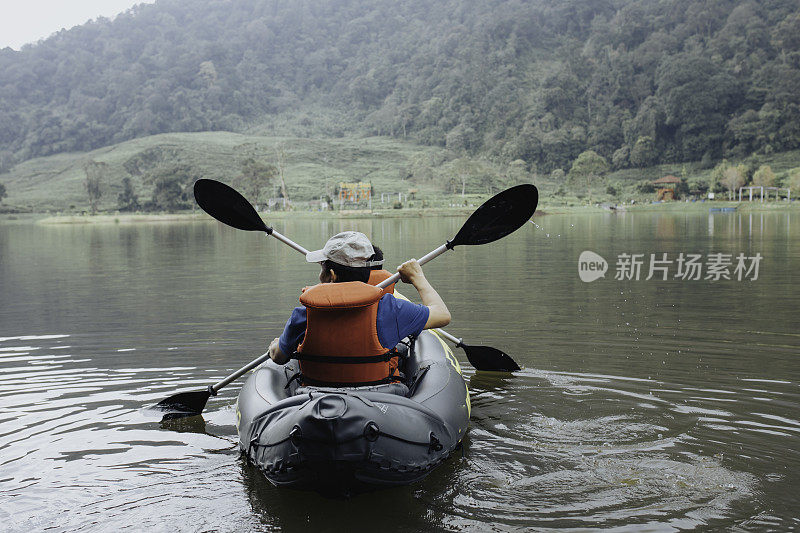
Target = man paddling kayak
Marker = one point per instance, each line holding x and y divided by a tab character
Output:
346	330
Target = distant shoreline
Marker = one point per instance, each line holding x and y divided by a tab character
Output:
676	207
198	216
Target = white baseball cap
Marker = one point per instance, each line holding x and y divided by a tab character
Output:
349	248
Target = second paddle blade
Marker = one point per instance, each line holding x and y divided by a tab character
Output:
228	206
500	215
488	358
183	404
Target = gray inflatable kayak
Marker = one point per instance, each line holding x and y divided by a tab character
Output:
348	440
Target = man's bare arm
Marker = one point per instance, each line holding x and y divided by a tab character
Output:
439	315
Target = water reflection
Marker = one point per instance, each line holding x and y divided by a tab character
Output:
185	424
660	404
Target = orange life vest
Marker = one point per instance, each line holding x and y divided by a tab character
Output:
376	276
341	346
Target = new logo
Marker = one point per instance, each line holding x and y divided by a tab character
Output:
591	266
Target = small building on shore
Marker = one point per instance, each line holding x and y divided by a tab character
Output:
666	188
354	193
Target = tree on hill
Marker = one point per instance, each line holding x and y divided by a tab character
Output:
95	171
621	157
732	179
465	169
127	199
794	181
170	188
643	153
764	176
589	165
255	177
2	192
718	176
698	96
280	153
517	172
167	193
151	158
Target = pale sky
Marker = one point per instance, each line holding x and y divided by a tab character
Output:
27	21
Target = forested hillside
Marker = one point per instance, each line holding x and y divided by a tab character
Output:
640	82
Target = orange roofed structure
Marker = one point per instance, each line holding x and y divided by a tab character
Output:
665	187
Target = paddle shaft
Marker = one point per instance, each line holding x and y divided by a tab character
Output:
396	276
245	369
286	240
451	338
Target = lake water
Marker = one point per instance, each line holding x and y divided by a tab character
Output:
642	404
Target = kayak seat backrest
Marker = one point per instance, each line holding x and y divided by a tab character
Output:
399	389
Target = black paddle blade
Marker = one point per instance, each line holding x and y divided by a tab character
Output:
488	358
183	404
228	206
500	215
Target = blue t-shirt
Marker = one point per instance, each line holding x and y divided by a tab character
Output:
396	319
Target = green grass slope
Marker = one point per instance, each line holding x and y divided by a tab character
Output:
56	183
313	166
